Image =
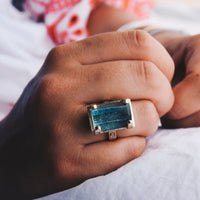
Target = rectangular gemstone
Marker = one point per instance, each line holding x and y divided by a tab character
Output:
110	116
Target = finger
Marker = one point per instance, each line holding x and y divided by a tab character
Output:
187	97
190	121
146	120
192	59
116	80
104	157
131	45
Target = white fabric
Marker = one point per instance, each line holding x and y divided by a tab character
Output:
177	16
23	47
169	169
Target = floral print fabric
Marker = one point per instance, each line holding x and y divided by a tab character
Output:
66	20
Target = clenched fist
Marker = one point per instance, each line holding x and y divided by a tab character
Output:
45	142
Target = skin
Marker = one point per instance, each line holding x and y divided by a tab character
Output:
46	142
184	50
106	19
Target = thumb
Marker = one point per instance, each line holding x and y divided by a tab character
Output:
186	97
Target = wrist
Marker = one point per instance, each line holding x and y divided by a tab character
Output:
2	132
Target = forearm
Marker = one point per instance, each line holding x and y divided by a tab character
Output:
5	169
4	134
9	161
15	157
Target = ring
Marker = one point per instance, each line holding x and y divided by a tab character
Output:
111	116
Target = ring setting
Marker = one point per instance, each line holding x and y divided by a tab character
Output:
111	116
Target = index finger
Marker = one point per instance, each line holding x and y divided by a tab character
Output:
130	45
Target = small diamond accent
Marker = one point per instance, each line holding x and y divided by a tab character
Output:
112	134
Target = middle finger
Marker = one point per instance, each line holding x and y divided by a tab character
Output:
137	80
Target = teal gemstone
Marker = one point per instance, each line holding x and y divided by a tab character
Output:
110	116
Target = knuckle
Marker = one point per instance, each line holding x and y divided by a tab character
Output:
58	53
141	38
136	38
49	88
163	98
53	58
55	52
148	72
151	118
167	99
170	69
47	85
158	86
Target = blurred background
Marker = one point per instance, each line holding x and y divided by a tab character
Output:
177	14
188	2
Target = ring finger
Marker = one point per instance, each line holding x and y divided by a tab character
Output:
146	121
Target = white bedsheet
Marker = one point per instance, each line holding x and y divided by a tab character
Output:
24	45
169	169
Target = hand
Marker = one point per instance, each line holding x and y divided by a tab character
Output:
185	52
50	147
